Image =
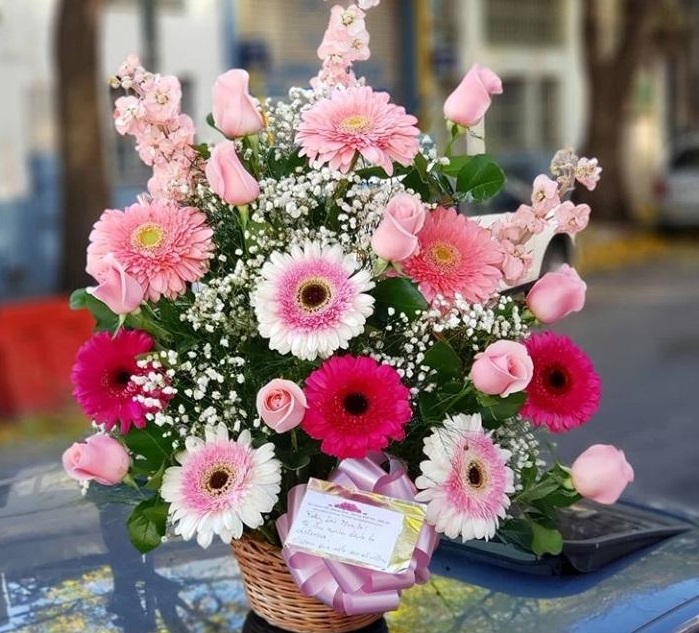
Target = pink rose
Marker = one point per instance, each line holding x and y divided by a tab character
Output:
556	295
471	99
228	178
281	404
601	473
119	291
234	111
505	367
100	457
395	239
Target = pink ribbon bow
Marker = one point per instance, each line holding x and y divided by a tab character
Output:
348	588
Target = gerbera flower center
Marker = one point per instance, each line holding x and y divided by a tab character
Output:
313	294
219	479
148	236
557	379
475	475
355	403
121	377
444	255
355	123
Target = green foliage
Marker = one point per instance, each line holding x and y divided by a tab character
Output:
105	319
152	447
480	178
399	293
147	523
444	360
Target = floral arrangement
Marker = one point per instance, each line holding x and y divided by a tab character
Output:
305	298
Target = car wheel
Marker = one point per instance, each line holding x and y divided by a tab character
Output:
556	255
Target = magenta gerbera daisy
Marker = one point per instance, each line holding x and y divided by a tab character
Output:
161	245
565	389
355	405
102	374
221	485
312	300
455	256
465	481
360	120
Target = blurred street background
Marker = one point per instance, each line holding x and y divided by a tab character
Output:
616	79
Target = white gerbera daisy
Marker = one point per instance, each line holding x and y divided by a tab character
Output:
465	481
312	301
221	485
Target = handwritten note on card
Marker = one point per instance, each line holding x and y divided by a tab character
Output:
355	527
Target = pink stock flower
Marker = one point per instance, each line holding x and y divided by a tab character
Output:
281	404
228	178
544	195
171	180
102	381
571	218
516	262
99	457
162	246
120	292
601	473
587	172
355	120
355	405
503	368
455	255
234	110
556	295
470	100
161	98
395	239
129	114
367	4
565	389
350	20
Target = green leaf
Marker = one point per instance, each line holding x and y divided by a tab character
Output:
456	164
151	445
545	540
105	319
203	150
413	180
481	177
372	172
156	481
497	409
294	460
444	360
146	524
210	121
398	293
517	531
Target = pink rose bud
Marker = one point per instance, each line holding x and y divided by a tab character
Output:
281	404
395	239
601	473
505	367
234	111
471	99
228	178
119	291
100	457
556	295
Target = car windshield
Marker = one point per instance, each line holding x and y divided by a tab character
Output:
687	159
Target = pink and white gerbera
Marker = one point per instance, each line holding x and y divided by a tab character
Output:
360	120
221	485
465	481
312	300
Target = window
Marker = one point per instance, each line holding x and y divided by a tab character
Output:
526	116
524	22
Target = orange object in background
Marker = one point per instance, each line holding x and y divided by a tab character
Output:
38	342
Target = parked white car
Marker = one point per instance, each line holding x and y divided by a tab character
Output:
677	188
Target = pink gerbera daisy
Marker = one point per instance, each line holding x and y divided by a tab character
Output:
565	389
455	255
360	120
162	246
465	481
102	378
221	485
355	405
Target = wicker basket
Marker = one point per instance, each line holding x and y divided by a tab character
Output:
274	596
